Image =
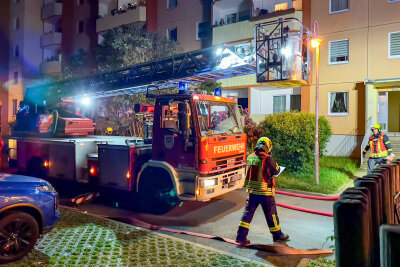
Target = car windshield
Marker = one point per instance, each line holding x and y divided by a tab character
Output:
218	118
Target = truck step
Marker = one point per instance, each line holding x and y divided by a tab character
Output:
187	196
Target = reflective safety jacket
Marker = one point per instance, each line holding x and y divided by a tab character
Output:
261	168
380	146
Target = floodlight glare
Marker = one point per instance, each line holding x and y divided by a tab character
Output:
315	43
286	52
219	51
85	101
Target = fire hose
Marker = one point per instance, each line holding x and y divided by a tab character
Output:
322	213
278	249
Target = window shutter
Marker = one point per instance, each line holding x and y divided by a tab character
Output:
394	44
339	51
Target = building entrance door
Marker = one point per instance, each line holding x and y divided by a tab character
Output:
383	111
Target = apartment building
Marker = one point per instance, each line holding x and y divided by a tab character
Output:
185	21
233	25
359	69
42	36
4	58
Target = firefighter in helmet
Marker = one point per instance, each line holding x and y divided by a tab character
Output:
260	184
381	149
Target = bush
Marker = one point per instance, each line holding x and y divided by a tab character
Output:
252	130
293	137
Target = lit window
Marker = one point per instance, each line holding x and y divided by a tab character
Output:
336	6
80	27
394	44
15	106
338	103
172	4
202	30
231	18
16	77
279	104
339	52
173	34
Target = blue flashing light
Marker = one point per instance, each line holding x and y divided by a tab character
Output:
217	92
183	88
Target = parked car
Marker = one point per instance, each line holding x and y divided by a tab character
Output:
28	208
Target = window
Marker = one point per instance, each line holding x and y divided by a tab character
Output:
279	104
15	106
202	30
80	27
173	34
172	4
295	103
231	18
394	44
15	77
336	6
16	24
16	51
339	52
338	103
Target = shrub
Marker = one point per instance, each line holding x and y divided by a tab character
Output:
252	130
293	137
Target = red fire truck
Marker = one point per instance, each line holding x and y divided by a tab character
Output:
197	152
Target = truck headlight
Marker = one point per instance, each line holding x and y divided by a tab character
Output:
208	182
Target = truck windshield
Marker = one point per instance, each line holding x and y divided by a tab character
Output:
218	118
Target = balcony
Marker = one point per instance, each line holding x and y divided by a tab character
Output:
51	10
244	30
49	39
51	67
121	17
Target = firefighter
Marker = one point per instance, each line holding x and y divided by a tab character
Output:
381	149
260	184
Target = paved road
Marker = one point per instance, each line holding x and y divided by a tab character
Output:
221	217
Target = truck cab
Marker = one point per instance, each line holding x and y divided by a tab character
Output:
198	149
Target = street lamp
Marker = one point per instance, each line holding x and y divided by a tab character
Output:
315	42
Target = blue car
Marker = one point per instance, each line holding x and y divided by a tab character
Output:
28	208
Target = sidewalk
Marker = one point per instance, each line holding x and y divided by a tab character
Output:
83	240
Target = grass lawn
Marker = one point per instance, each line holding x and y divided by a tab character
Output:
334	172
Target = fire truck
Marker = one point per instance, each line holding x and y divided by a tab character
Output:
197	150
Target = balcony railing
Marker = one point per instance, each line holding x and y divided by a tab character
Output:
51	66
52	38
119	18
244	30
51	10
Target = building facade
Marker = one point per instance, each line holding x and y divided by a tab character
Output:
233	25
42	37
359	69
4	59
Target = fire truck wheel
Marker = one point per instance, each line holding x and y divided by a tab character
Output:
156	192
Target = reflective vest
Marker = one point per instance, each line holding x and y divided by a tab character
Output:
379	150
255	183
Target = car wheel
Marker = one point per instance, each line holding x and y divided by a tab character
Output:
19	232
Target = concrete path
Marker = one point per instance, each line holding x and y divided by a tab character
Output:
221	217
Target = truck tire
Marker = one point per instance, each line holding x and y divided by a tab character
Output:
19	232
156	192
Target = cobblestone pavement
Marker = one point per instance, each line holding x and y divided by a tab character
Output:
84	240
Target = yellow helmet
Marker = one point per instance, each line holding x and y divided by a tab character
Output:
376	126
265	144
